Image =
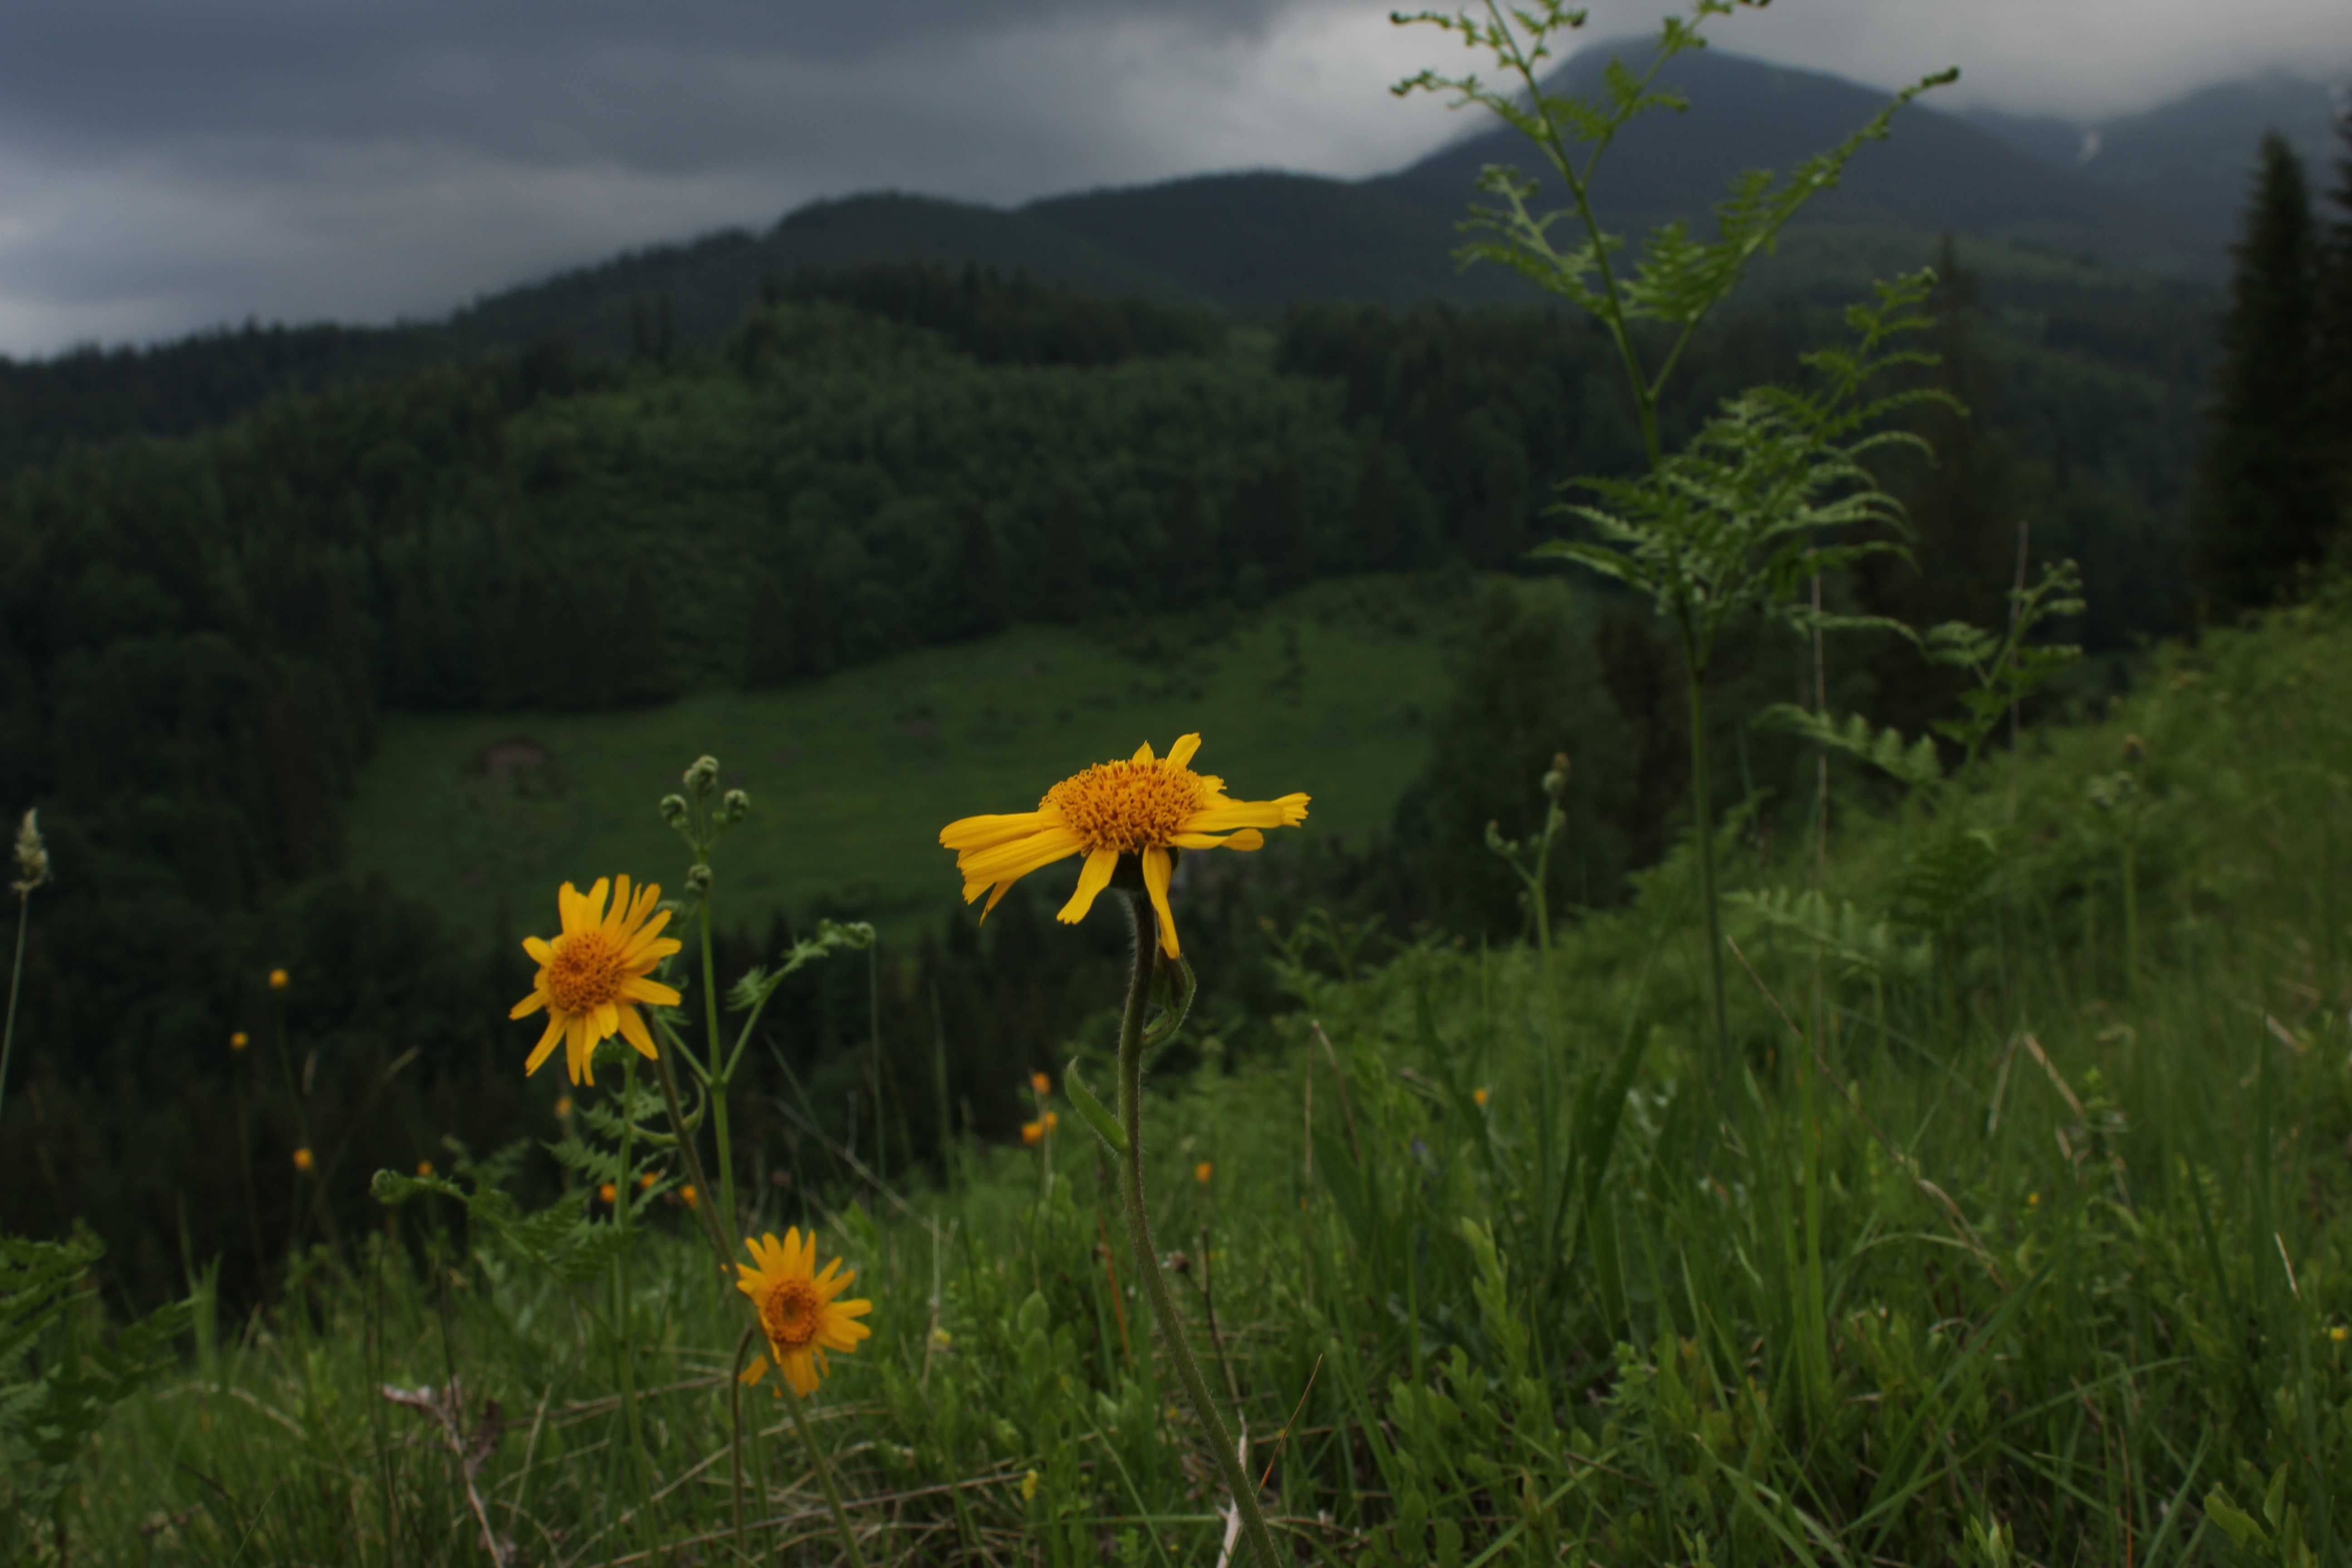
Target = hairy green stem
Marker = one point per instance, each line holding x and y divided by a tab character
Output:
719	1072
621	1317
1139	1232
15	979
823	1476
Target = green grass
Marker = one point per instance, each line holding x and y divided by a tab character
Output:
852	777
2017	1246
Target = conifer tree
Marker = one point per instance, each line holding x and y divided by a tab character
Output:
2336	328
2263	508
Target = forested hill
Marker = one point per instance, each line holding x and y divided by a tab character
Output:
1251	244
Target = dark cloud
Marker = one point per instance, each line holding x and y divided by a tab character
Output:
166	164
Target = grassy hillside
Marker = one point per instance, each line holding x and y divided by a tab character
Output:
2020	1231
1327	691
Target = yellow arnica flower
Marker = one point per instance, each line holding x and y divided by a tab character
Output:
688	1196
1041	1083
608	1192
424	1167
237	1041
1033	1133
1479	1096
1204	1173
1142	807
798	1311
279	980
593	976
302	1160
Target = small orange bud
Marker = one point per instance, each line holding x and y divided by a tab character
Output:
608	1192
563	1109
1033	1133
1041	1083
238	1041
1478	1096
303	1161
687	1195
1053	1122
1202	1172
279	980
647	1180
424	1167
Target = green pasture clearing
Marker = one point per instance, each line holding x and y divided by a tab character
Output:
1329	691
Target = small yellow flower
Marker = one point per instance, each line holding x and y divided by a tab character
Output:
2034	1200
237	1041
1478	1097
1041	1083
941	1338
1053	1124
608	1192
798	1313
688	1196
303	1161
564	1108
592	977
2339	1333
424	1167
1029	1487
1033	1133
1137	810
647	1180
1202	1172
279	980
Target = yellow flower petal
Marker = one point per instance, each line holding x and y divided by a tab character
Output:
1157	866
527	1006
1091	881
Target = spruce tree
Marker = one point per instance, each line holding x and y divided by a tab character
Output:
2263	507
2336	329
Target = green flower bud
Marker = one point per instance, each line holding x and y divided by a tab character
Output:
698	879
703	776
734	806
673	809
32	856
1555	783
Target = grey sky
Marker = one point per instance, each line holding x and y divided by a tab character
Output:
169	164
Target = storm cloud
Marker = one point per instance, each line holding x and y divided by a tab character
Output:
169	164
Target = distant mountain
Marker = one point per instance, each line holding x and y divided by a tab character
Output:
2192	158
1935	172
710	282
1254	243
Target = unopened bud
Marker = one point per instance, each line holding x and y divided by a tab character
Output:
673	809
734	805
32	856
1555	783
703	776
698	879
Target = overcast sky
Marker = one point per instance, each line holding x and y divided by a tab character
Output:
171	164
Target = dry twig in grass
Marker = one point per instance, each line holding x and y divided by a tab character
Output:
472	1448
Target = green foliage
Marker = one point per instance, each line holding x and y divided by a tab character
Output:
62	1372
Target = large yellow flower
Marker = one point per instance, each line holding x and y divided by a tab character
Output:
1144	806
798	1313
592	977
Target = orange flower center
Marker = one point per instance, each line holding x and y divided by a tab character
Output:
584	973
1127	805
788	1313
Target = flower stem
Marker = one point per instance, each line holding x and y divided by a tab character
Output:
1139	1232
1703	824
824	1475
719	1071
15	979
621	1317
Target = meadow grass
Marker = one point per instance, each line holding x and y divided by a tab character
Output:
1339	681
2002	1247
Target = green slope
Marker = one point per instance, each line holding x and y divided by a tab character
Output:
852	777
